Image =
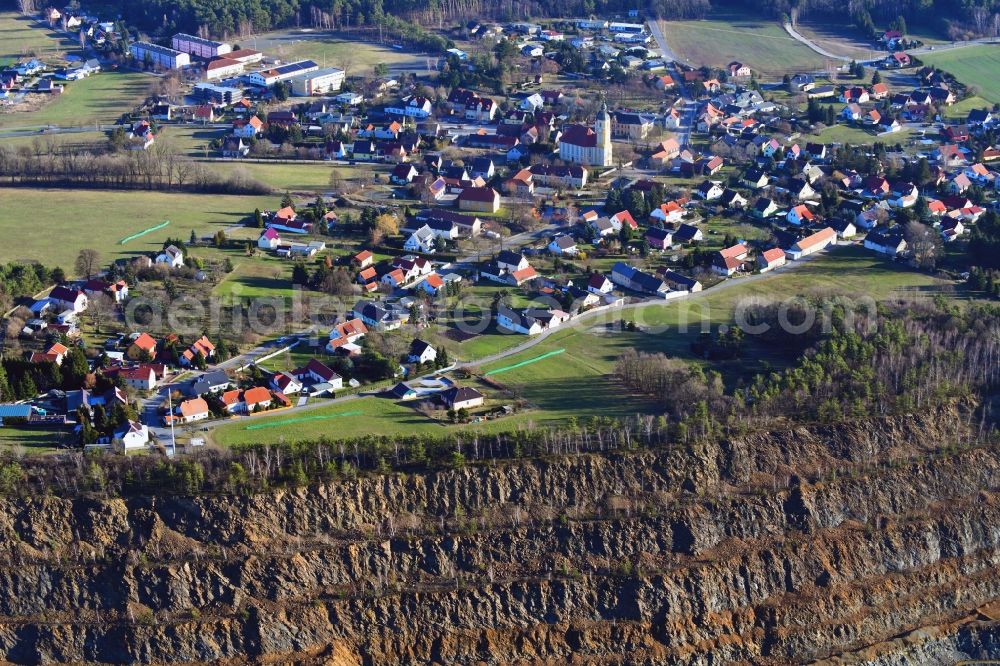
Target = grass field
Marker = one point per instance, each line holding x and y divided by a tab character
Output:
356	57
100	98
760	43
21	37
345	420
843	40
32	441
262	276
97	99
960	110
973	65
62	222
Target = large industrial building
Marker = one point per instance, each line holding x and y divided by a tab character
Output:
161	56
320	82
198	47
268	77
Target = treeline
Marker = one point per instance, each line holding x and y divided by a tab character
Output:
402	19
158	168
20	279
901	359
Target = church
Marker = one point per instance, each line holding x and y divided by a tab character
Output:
591	147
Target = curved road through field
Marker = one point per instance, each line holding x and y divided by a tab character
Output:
918	51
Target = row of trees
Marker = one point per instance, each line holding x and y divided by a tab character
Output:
158	168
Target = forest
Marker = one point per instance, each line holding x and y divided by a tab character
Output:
233	18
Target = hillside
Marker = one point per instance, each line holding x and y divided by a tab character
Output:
868	541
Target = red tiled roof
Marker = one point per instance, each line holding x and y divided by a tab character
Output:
773	254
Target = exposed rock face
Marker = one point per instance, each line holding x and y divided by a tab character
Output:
777	548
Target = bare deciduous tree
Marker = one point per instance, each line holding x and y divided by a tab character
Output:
87	262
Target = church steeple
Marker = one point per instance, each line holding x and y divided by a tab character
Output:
602	127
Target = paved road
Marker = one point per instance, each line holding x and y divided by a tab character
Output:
688	105
918	51
797	36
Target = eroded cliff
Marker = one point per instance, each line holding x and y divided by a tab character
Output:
869	541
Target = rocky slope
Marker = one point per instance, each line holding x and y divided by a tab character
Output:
874	541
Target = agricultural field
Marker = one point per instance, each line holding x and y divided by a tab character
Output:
99	219
760	43
328	49
973	65
842	40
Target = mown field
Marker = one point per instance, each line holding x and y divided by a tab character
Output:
21	37
357	58
977	66
97	99
578	382
100	98
52	226
758	42
32	441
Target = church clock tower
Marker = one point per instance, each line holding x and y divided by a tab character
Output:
602	127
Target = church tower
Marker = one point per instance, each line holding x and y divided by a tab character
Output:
602	127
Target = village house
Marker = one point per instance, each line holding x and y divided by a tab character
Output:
738	70
479	199
286	383
599	284
730	260
189	411
659	239
68	298
563	245
421	351
345	334
800	215
688	233
888	242
142	348
462	397
171	256
517	322
202	347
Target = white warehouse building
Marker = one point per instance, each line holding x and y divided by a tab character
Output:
160	55
320	82
266	78
199	47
